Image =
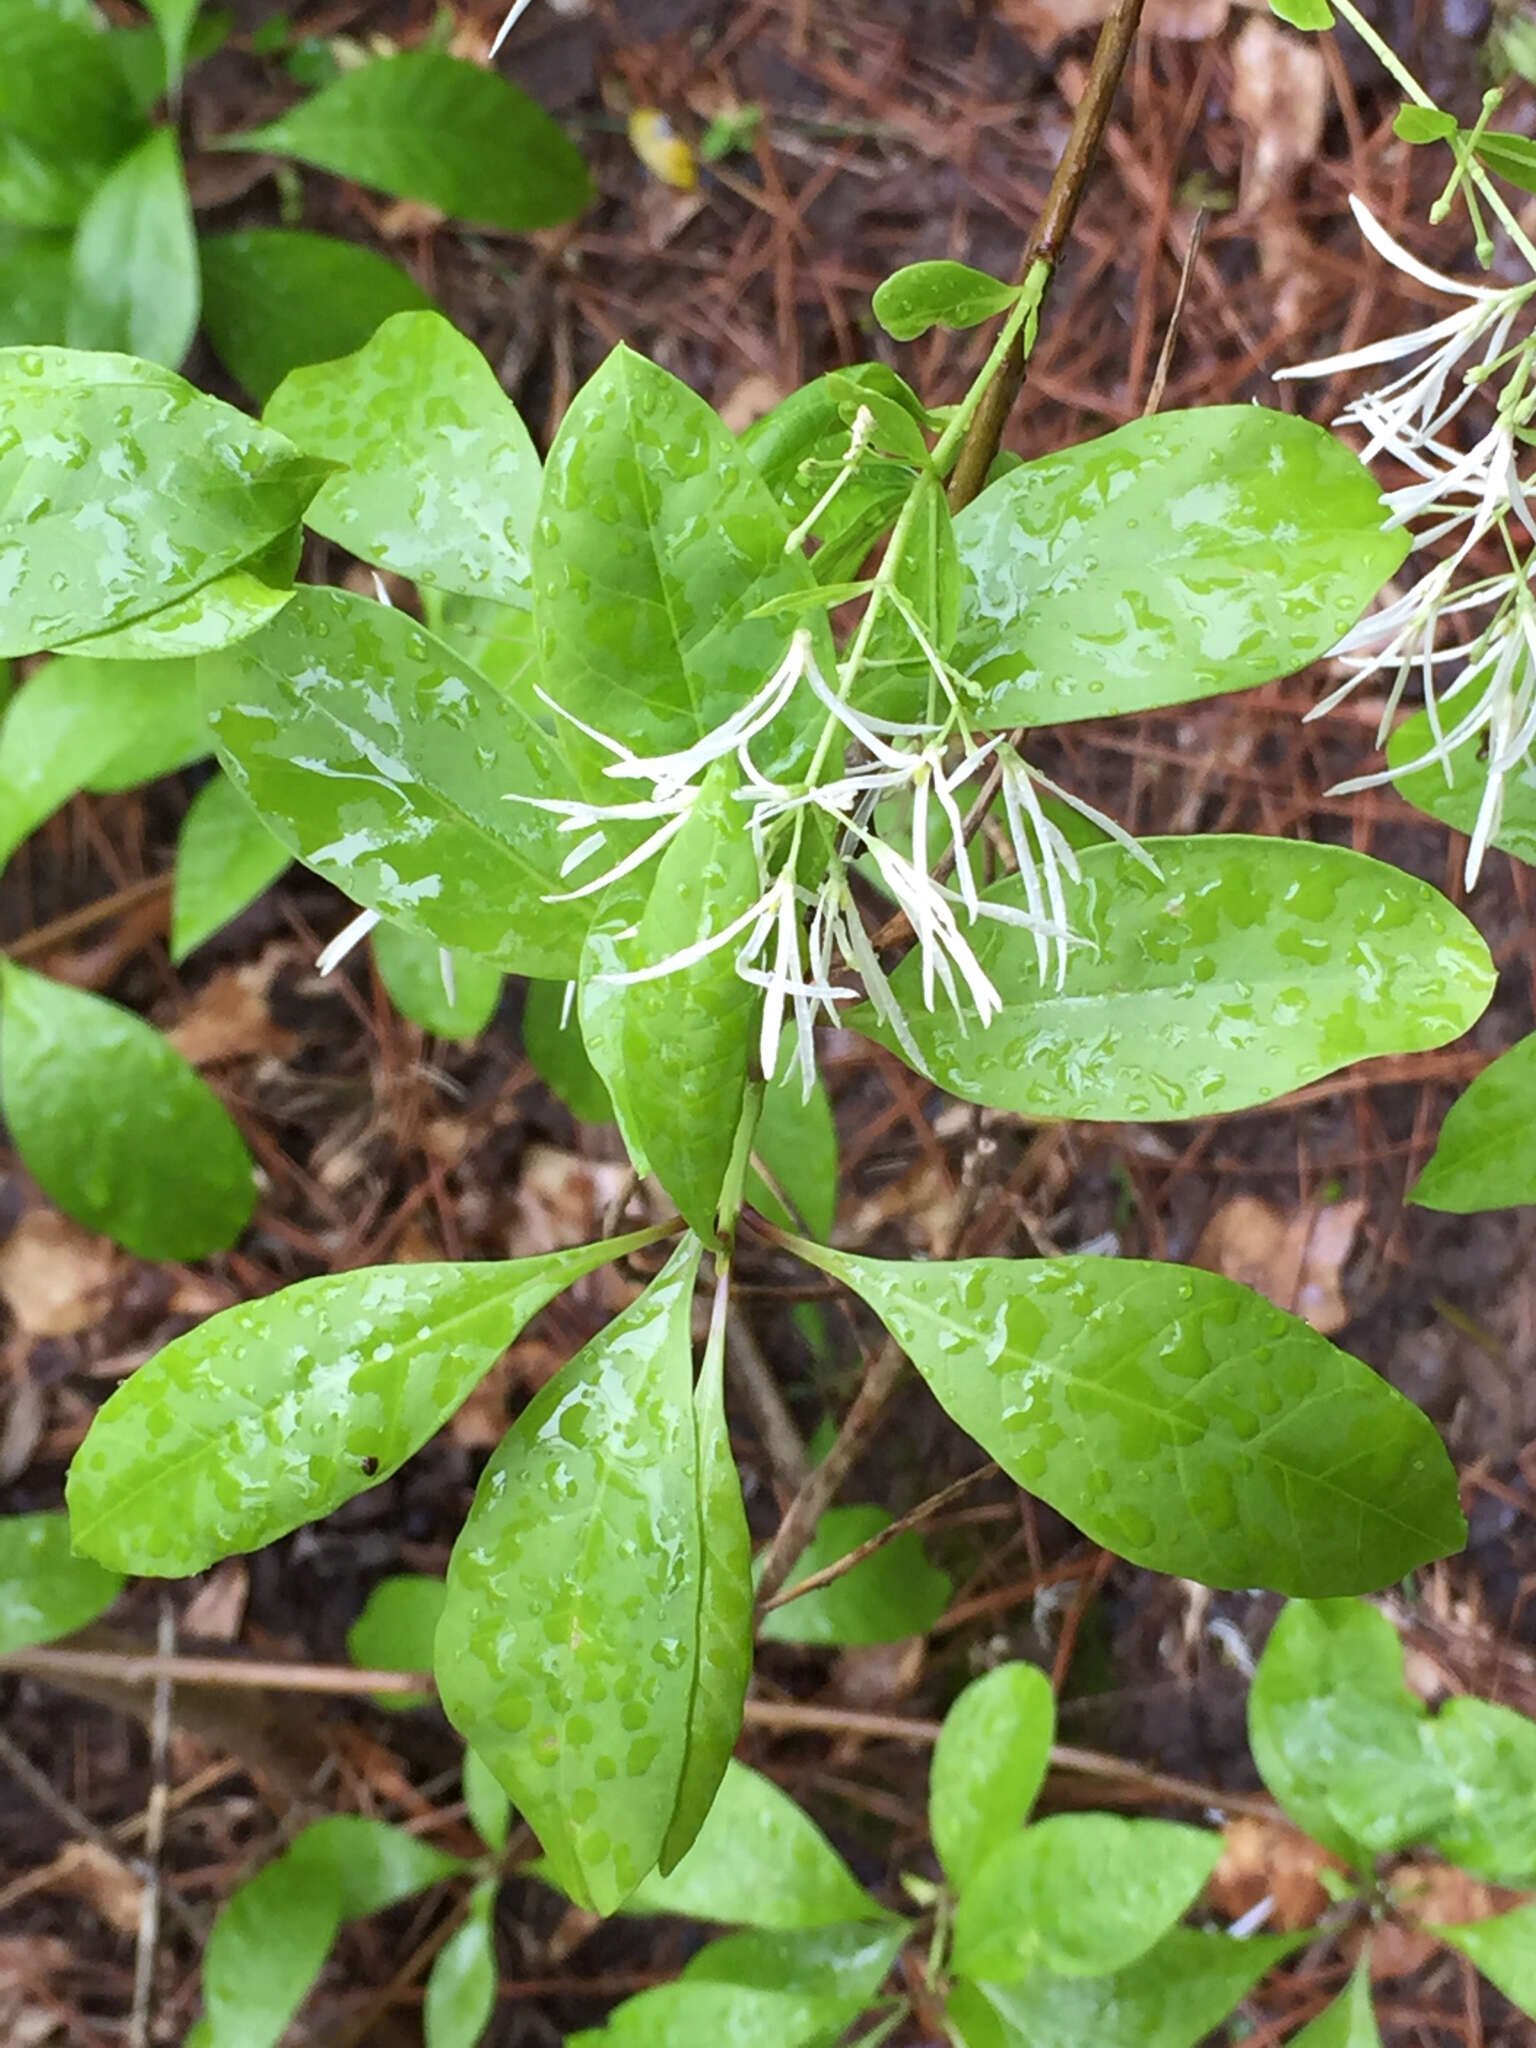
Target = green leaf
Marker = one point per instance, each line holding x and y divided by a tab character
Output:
45	1590
376	1865
1484	1159
452	995
1512	156
441	482
760	1861
275	1412
1304	14
988	1766
1504	1949
225	859
66	114
1172	1997
925	295
266	1949
394	1632
333	720
195	490
894	1593
174	733
1488	1755
174	19
34	285
1246	968
724	1665
1181	556
600	1002
490	1810
1337	1736
115	1126
1350	2022
461	1989
1177	1418
134	279
1423	124
553	1043
1453	792
567	1650
656	541
228	609
796	1143
497	639
423	125
141	55
1024	1907
688	1033
275	299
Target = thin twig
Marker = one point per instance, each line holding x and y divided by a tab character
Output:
154	1837
1159	382
87	917
839	1568
752	1377
232	1672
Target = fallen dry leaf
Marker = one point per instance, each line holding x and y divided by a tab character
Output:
1042	24
1280	96
747	401
1439	1896
55	1277
1296	1260
1263	1859
98	1879
217	1609
231	1016
561	1199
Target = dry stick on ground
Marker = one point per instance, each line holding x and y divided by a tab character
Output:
154	1838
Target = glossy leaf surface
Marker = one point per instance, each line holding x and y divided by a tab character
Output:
656	541
553	1042
461	1989
441	482
490	1810
942	294
45	1590
1350	2022
275	299
115	1126
229	608
1175	1417
1488	1755
1504	1949
988	1766
1454	793
1485	1158
66	114
134	283
567	1650
424	125
1178	557
196	488
895	1592
1023	1909
225	859
453	1001
600	1002
760	1861
1249	968
376	1865
275	1412
265	1951
390	767
395	1632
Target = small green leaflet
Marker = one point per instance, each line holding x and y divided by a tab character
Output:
1504	1949
424	125
1423	124
45	1590
568	1648
925	295
441	479
452	995
1304	14
988	1766
1177	1418
394	1632
490	1810
894	1593
1512	156
66	114
135	284
1181	556
553	1042
461	1989
174	19
1350	2022
1485	1159
225	859
1453	791
796	1146
115	1126
1244	968
1488	1756
275	1412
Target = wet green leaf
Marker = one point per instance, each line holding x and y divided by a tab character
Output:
1178	1419
275	1412
376	1865
34	285
1488	1755
1248	968
655	542
456	999
490	1810
265	1951
600	1002
174	733
461	1990
115	1126
225	859
174	19
1172	1997
898	678
557	1051
228	609
1484	1159
796	1143
388	766
1504	1949
894	1593
196	490
45	1590
497	639
424	125
1181	556
567	1650
1336	1734
441	482
925	295
395	1631
758	1860
1423	124
1453	793
66	114
988	1766
1023	1909
134	279
275	299
1350	2022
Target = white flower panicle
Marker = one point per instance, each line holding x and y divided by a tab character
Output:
1478	679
